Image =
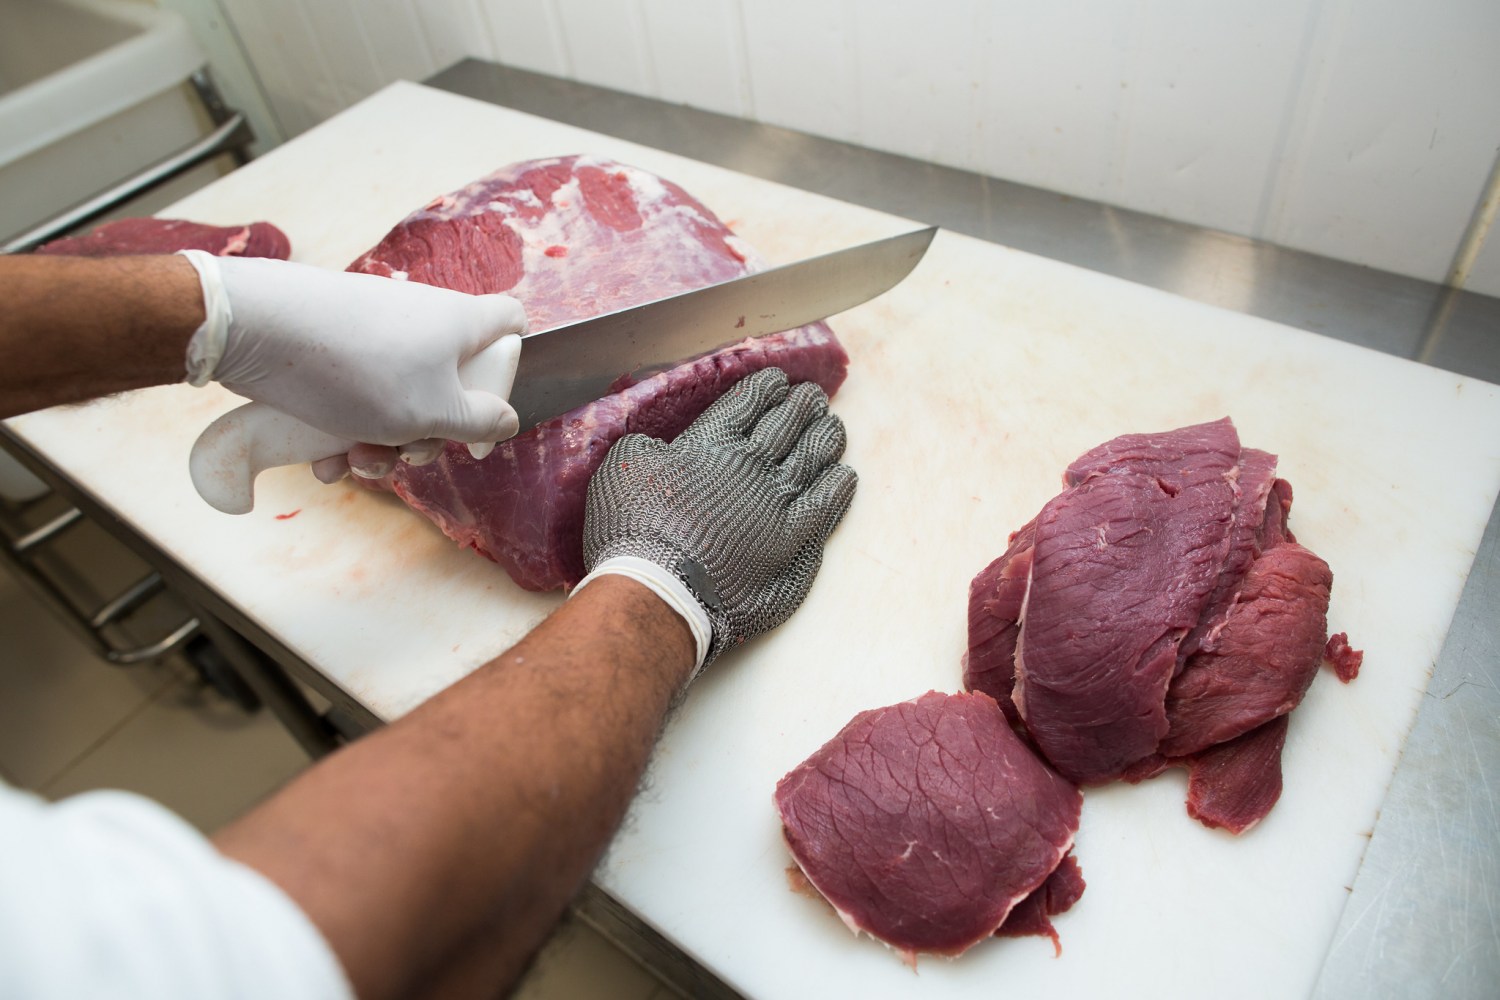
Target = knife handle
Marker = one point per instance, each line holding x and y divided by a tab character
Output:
252	438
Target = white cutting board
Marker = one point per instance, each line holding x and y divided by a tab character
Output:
971	386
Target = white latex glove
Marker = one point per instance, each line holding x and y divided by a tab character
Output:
358	356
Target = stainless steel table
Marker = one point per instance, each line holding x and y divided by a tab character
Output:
1424	913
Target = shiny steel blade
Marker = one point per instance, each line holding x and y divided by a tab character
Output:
574	364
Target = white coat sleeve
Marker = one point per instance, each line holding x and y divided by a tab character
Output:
110	894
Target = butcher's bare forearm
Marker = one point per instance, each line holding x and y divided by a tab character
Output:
443	848
74	328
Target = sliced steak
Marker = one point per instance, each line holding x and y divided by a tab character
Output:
1033	915
1123	565
1252	484
995	599
1263	659
573	237
925	823
1234	785
1159	613
152	236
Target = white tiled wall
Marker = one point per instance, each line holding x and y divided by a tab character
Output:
1359	129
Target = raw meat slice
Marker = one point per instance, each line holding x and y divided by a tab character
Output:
1234	785
995	599
1033	915
925	823
1076	621
573	237
1344	660
1122	567
1253	482
148	236
1263	659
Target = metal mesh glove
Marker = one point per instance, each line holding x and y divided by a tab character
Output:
737	507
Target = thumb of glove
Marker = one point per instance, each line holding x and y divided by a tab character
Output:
480	417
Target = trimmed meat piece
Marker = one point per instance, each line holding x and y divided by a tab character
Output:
1344	660
148	236
995	599
573	237
1122	567
925	823
1032	915
1234	785
1264	658
1257	472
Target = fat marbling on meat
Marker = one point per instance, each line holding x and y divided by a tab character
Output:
573	237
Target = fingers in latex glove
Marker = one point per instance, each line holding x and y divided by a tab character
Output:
357	356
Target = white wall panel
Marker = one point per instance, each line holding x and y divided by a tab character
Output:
341	42
606	42
698	51
280	43
1054	81
915	72
1209	87
454	29
524	34
1359	129
800	58
395	39
1485	276
1395	135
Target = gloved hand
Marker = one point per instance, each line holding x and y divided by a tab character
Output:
728	521
358	356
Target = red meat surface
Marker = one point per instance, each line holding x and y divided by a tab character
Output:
571	238
1033	915
1264	658
1344	660
1159	613
1233	786
149	236
1134	549
926	823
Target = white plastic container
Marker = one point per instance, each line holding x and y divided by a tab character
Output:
91	91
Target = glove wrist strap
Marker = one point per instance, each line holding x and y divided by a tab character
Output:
206	347
669	588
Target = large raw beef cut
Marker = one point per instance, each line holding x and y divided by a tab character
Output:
148	236
1159	613
570	238
927	823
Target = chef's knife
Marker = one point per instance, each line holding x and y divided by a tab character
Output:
567	366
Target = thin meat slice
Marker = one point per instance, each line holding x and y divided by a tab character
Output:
1264	658
1234	785
1033	915
1122	567
925	823
1253	481
995	599
574	237
155	236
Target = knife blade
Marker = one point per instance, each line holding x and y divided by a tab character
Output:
549	372
577	363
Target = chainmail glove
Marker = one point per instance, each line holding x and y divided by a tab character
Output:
736	509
